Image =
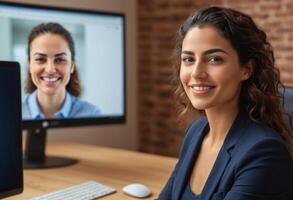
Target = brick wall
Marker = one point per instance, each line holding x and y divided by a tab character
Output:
158	23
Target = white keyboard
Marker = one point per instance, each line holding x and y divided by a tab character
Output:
85	191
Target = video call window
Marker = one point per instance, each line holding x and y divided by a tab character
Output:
99	45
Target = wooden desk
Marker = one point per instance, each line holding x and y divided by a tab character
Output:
113	167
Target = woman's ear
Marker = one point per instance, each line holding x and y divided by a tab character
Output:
72	68
28	65
248	70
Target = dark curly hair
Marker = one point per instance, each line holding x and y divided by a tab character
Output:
73	87
259	96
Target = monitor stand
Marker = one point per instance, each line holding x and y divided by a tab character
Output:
34	153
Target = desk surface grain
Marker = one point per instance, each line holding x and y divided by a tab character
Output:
113	167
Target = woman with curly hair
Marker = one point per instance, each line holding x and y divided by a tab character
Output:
238	149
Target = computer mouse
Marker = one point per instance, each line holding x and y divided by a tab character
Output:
137	190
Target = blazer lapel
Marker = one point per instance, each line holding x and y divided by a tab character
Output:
216	174
188	161
223	158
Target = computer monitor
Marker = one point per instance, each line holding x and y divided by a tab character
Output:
11	175
100	57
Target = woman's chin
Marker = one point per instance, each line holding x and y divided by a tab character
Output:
199	106
49	91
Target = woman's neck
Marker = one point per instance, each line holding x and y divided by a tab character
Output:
50	104
220	121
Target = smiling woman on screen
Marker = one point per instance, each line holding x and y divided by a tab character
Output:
53	85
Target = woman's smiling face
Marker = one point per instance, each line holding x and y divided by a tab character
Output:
50	63
210	71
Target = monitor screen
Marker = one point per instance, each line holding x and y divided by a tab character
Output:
99	39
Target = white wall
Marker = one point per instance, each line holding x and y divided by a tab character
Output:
5	38
121	136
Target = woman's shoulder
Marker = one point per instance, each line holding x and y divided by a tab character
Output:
198	122
258	140
196	125
84	104
194	130
28	96
257	132
30	107
84	108
261	151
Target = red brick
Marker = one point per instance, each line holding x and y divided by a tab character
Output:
270	7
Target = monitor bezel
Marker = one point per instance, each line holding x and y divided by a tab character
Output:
73	122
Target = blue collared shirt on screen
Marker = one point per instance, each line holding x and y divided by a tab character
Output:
71	108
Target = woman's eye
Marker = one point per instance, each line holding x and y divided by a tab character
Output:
215	59
187	60
40	60
60	60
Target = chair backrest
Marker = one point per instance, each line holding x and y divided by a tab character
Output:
288	103
288	107
11	173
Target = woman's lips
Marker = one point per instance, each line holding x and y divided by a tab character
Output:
50	80
201	89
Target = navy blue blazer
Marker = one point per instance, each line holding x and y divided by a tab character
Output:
253	164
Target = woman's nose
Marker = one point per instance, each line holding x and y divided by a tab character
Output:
199	71
50	67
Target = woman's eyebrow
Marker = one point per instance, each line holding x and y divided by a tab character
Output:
210	51
187	52
60	54
39	54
